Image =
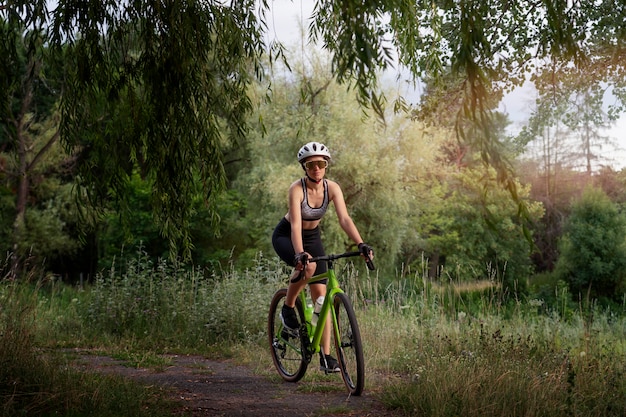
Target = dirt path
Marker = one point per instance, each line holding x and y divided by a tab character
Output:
220	388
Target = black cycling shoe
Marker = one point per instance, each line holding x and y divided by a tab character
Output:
328	364
289	318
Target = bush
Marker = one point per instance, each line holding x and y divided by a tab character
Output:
593	248
174	306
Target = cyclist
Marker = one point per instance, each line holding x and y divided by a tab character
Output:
297	236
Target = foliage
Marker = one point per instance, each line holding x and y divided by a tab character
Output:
28	136
439	350
164	92
235	241
131	229
175	307
156	90
593	249
403	186
564	128
34	383
134	226
49	228
467	226
151	85
556	187
477	243
364	161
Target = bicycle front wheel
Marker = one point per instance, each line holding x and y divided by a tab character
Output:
348	345
288	351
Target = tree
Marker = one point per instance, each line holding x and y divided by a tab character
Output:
587	118
30	127
570	110
309	105
403	183
150	84
43	233
470	229
561	142
593	248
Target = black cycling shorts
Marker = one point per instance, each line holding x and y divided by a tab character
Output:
311	240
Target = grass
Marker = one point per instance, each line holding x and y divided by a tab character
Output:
519	363
430	350
40	382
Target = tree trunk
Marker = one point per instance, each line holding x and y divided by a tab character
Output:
23	146
22	185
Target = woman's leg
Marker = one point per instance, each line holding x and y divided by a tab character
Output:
281	240
316	291
294	288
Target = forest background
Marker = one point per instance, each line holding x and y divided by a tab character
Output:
146	149
419	194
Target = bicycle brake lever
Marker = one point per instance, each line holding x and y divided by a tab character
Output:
369	263
305	260
297	277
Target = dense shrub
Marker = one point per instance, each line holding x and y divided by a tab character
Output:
593	248
166	303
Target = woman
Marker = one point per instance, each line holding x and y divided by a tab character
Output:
297	236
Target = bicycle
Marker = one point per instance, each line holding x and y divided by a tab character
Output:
292	352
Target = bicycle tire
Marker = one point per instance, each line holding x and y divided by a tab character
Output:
348	345
288	354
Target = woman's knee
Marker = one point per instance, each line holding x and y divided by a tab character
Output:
310	270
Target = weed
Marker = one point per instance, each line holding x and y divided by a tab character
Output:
430	349
34	382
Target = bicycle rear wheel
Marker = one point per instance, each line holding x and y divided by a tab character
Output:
288	351
348	345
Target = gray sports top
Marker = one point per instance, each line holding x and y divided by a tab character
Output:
310	213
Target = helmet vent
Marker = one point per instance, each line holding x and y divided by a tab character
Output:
313	149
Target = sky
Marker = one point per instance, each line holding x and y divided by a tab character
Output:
286	17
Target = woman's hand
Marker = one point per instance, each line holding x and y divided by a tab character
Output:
368	254
301	259
366	250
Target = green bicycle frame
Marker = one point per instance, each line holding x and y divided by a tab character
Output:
293	350
332	288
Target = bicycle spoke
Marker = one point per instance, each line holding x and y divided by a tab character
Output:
293	352
285	346
348	345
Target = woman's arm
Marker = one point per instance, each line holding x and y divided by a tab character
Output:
296	195
345	221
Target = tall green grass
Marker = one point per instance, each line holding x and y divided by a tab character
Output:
39	382
162	306
432	350
450	357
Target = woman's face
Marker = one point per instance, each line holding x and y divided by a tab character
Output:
315	167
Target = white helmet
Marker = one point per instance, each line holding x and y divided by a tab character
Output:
313	149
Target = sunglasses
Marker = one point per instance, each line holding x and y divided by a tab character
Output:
312	164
